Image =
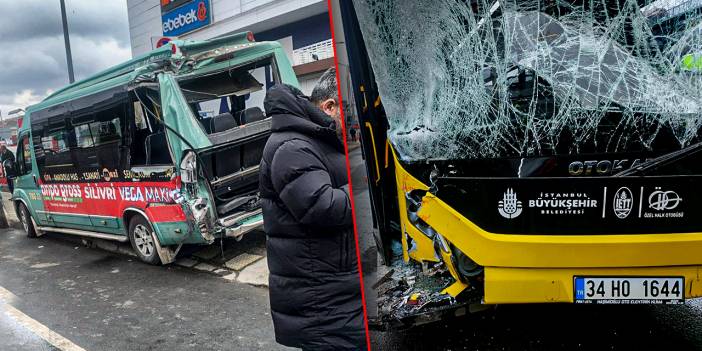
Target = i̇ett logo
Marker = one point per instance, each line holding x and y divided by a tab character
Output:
509	207
623	202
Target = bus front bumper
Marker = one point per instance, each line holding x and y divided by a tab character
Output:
539	268
522	285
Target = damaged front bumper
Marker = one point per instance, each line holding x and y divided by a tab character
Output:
238	224
468	266
200	216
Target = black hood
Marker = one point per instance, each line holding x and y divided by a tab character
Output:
291	110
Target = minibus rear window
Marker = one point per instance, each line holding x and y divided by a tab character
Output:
231	98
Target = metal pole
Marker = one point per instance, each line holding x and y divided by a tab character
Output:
67	41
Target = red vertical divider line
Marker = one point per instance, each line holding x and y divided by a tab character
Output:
348	171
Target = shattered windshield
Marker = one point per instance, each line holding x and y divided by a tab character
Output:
464	79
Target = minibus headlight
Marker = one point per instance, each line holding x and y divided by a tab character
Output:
188	168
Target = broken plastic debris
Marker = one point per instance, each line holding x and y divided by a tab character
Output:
413	299
396	247
410	280
406	291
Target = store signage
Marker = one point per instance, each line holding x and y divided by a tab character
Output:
162	41
168	5
186	18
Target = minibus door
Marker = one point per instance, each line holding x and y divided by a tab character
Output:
26	181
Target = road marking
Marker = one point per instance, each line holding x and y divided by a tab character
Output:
7	296
37	328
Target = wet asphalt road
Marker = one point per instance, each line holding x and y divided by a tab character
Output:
533	327
557	327
104	301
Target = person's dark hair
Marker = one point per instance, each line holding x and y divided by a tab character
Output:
325	88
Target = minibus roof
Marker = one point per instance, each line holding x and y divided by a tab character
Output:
175	50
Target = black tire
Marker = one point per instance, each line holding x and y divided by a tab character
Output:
26	219
140	235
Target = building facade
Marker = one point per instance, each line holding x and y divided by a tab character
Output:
301	26
8	129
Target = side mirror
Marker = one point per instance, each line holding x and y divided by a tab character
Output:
10	168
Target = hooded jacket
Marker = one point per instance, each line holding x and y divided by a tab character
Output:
314	283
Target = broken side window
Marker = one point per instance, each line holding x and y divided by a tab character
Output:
148	146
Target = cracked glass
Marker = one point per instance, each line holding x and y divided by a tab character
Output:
464	79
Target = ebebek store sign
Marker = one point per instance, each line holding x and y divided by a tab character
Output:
186	18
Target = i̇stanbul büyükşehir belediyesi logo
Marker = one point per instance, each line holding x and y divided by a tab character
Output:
509	207
547	203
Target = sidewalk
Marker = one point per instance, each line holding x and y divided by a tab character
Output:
353	145
10	210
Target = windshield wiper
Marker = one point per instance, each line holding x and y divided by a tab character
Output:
660	161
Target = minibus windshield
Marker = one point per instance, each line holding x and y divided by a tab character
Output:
491	79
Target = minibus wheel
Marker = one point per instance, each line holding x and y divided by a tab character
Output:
142	239
26	219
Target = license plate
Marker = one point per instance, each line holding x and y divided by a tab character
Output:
629	290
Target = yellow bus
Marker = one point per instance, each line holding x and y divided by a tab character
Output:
529	152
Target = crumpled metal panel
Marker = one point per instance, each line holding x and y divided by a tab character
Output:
178	116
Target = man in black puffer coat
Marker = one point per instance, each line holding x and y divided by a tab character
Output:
315	291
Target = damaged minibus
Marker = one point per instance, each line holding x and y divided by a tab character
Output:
529	151
162	150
